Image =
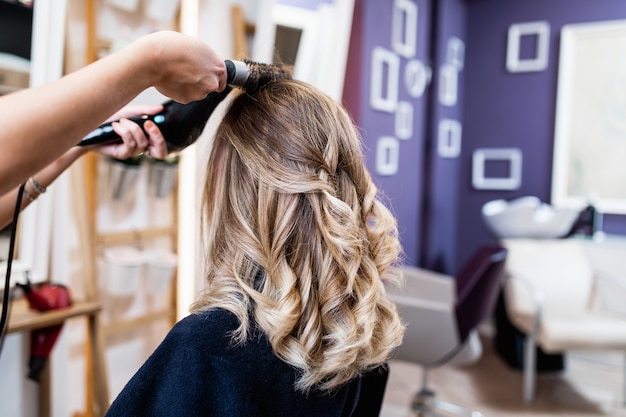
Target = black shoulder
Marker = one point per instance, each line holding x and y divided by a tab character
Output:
210	328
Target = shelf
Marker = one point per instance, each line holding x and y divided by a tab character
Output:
115	238
22	318
124	326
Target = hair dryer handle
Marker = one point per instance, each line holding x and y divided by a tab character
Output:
104	134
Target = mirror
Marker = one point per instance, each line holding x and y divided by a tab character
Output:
589	134
312	35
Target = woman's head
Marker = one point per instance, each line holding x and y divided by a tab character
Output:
296	235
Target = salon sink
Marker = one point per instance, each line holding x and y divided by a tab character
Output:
528	217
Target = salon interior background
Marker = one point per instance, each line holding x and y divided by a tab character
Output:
472	99
463	44
473	102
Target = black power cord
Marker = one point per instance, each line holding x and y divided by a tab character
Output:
7	280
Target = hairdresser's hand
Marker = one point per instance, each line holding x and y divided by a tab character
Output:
185	68
135	141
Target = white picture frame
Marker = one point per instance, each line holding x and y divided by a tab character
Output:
482	156
404	120
404	28
456	53
540	30
417	77
589	144
448	88
387	156
449	138
379	84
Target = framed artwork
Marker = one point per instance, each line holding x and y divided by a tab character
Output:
387	156
404	120
456	53
404	28
449	82
483	179
417	76
384	82
590	128
540	32
449	138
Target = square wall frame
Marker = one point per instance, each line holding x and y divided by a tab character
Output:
482	156
514	63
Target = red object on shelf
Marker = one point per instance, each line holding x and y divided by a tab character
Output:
44	297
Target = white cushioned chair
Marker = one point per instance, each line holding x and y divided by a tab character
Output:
554	296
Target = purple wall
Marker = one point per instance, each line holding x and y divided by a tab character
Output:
402	189
502	109
442	173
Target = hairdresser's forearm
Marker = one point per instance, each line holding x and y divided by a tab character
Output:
45	178
50	119
37	125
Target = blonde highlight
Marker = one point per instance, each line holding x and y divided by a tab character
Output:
297	240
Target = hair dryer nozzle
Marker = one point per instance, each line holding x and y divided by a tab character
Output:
237	72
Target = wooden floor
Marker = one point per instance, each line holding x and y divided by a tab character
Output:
591	385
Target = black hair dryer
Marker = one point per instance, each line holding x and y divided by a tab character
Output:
181	124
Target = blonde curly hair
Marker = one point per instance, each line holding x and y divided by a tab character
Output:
296	238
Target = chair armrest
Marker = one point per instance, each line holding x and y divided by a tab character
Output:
431	330
425	285
524	302
611	291
425	301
